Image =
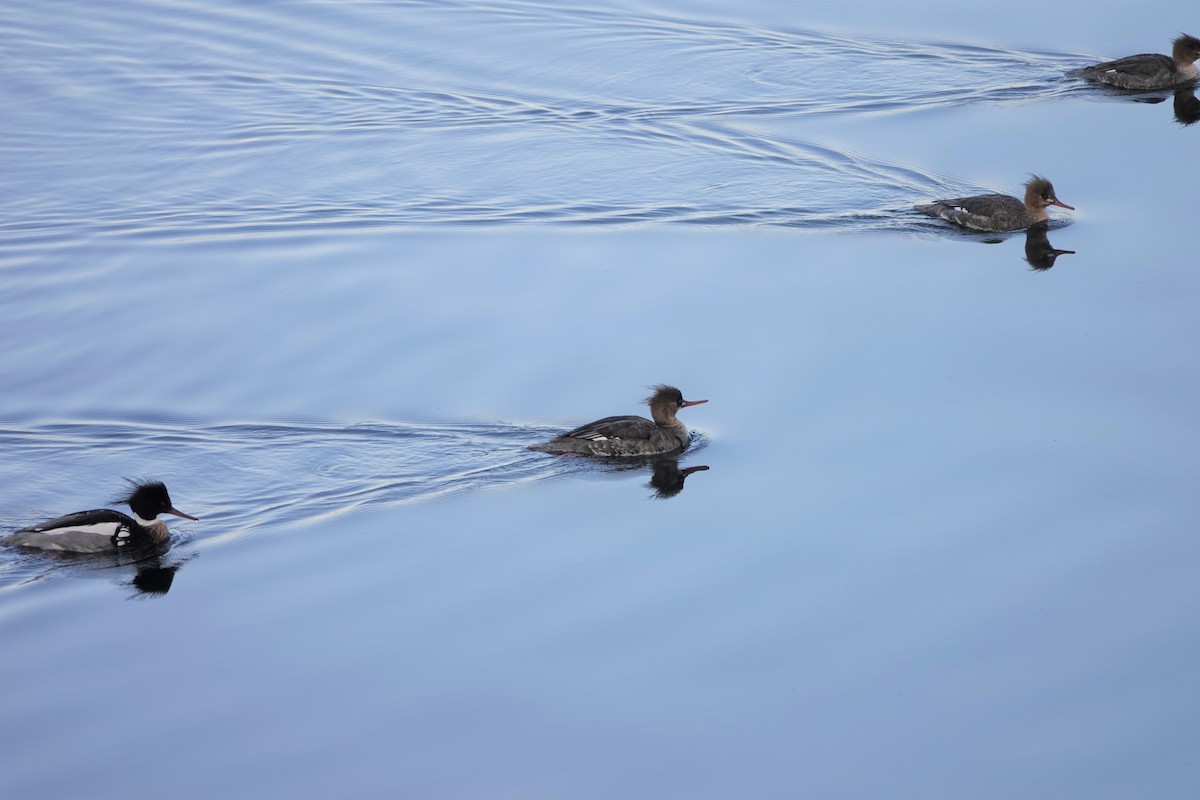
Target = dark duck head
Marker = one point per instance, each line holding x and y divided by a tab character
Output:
665	404
148	499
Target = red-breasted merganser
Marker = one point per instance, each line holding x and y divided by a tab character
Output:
103	530
630	436
998	212
1148	71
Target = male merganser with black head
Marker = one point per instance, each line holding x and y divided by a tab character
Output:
103	530
630	436
1148	71
999	212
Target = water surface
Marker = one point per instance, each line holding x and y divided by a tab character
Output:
328	269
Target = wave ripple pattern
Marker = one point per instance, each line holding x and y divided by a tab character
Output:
225	120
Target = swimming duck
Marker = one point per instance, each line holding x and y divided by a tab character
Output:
103	530
1148	71
630	436
999	212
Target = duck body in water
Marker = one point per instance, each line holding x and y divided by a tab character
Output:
630	436
103	530
999	212
1148	71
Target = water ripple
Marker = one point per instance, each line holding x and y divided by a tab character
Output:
225	121
252	475
244	479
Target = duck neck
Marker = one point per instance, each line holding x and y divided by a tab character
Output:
155	527
664	416
1035	207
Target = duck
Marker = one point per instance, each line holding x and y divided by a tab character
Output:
1148	71
630	435
104	530
999	212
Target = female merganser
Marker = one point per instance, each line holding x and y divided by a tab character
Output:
1148	70
103	530
998	212
630	436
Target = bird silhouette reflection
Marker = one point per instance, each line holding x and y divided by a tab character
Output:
154	580
1184	102
1187	107
1039	253
667	478
148	571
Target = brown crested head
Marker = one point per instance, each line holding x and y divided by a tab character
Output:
1039	193
666	402
1185	49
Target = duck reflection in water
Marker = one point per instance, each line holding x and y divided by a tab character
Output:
148	571
1184	102
1039	253
667	478
153	579
1187	107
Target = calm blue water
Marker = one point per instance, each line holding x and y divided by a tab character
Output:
327	269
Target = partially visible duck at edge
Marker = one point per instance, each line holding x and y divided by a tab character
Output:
1149	70
999	212
103	530
630	436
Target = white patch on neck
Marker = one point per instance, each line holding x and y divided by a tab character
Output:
156	527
